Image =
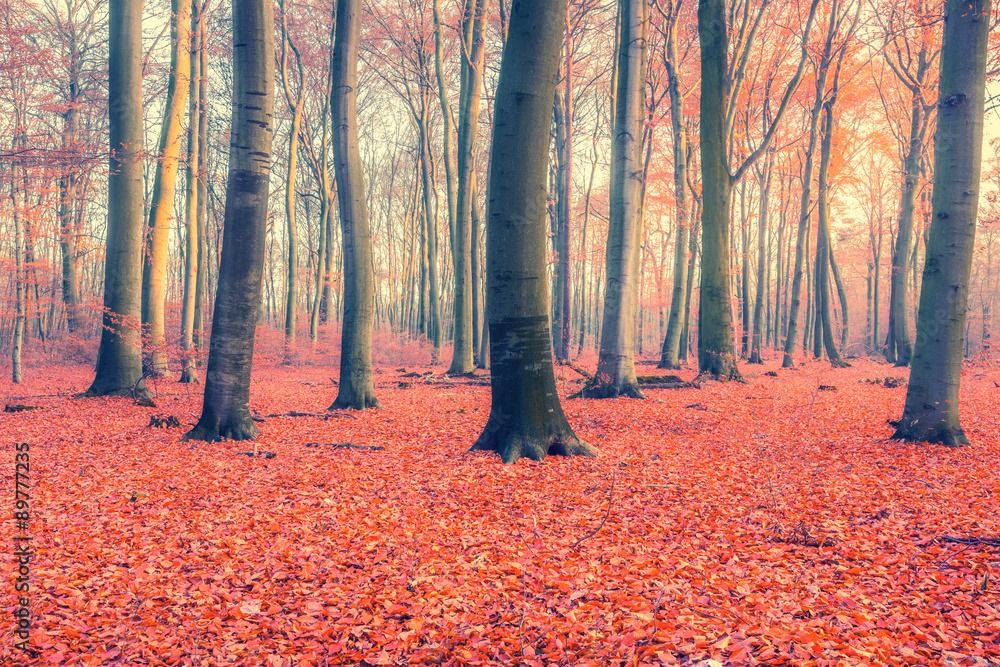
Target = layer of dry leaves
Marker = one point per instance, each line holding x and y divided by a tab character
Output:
760	523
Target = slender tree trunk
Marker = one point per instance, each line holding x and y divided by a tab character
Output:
931	412
669	355
119	358
226	407
189	372
824	253
526	417
616	364
566	197
154	274
201	289
68	194
295	105
764	185
462	356
447	119
17	339
357	387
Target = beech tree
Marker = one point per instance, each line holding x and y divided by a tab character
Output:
526	418
119	358
718	88
226	406
356	389
616	362
161	206
931	412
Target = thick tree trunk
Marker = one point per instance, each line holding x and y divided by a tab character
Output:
526	417
357	387
161	205
226	407
189	372
931	412
616	365
119	358
715	333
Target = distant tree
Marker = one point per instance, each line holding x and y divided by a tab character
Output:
356	389
226	407
526	417
119	358
931	412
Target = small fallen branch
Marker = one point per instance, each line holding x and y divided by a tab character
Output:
580	370
11	407
611	495
318	415
345	445
988	541
258	453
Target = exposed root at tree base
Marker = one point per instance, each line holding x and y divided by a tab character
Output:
232	430
512	442
189	377
949	437
362	402
597	389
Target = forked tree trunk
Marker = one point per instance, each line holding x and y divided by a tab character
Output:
616	363
161	206
226	408
931	412
357	387
526	417
119	358
189	372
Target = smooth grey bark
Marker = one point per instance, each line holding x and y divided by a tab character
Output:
615	374
189	372
119	358
526	417
670	352
357	386
931	412
764	186
468	130
226	406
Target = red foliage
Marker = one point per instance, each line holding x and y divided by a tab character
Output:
766	523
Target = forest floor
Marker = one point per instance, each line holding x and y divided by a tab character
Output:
772	522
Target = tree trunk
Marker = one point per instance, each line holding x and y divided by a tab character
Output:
17	338
119	358
669	355
189	372
931	412
526	417
357	387
226	407
616	365
715	333
764	185
161	205
295	105
468	127
201	285
824	257
68	193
